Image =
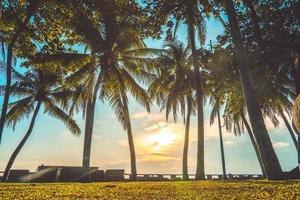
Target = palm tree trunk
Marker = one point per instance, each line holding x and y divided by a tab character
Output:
21	144
254	18
10	46
132	152
269	158
89	125
87	141
200	172
222	146
286	122
254	144
130	143
185	174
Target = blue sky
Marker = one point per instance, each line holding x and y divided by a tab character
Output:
158	143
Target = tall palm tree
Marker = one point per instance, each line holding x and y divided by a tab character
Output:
35	89
195	21
116	47
270	160
190	12
288	46
216	100
11	41
173	88
115	92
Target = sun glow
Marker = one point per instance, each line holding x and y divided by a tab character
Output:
162	139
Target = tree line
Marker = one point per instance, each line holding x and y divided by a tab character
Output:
74	53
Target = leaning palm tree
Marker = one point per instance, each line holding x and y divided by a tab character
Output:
36	89
269	158
10	43
173	88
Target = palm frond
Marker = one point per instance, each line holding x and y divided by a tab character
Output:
58	113
19	110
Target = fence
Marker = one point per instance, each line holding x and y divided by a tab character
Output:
174	177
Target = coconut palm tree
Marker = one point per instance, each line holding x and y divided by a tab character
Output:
36	89
114	90
10	42
270	160
191	14
116	48
173	88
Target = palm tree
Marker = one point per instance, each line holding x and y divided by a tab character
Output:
275	101
225	90
115	92
116	49
194	19
173	88
270	160
37	88
214	85
30	10
289	47
190	13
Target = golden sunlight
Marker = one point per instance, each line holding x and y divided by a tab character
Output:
162	139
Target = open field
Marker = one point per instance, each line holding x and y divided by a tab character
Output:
155	190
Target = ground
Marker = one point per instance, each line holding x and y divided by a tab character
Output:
154	190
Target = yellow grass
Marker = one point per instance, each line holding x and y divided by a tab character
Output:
154	190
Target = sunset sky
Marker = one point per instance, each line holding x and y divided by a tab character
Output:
158	143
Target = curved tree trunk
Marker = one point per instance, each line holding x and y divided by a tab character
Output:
89	125
254	144
20	146
268	155
222	146
10	46
185	174
286	122
130	143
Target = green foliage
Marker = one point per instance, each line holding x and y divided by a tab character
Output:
37	86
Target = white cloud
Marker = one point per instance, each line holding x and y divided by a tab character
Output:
139	115
123	143
156	126
149	117
280	145
229	142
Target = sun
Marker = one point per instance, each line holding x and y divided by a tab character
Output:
162	139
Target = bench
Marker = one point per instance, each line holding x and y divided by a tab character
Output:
18	175
114	175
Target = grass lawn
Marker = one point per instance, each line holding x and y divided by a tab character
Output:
154	190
